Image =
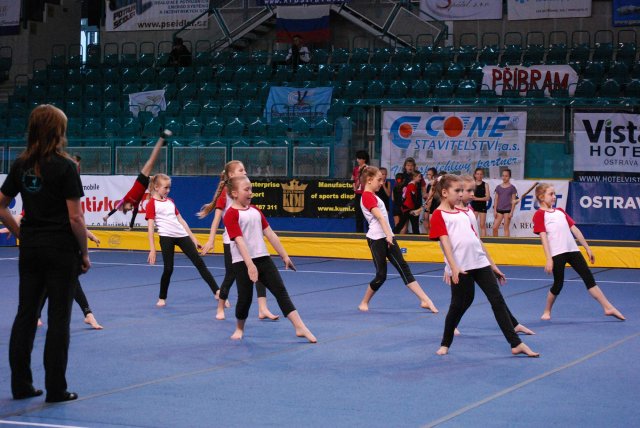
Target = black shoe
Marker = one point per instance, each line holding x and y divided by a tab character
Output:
29	394
66	396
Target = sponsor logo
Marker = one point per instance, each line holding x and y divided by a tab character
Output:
293	196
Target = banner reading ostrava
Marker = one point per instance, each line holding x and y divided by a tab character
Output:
542	9
456	142
626	12
545	77
605	203
156	15
606	147
310	103
456	10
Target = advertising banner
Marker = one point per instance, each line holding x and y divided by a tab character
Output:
626	12
606	147
543	9
545	77
153	101
605	203
157	15
310	103
9	17
455	142
460	10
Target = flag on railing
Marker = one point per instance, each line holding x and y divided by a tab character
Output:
309	22
152	101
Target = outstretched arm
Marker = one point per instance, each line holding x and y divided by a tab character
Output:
188	230
580	237
209	245
277	245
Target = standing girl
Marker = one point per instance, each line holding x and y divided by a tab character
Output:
410	200
382	244
221	204
469	263
555	228
173	230
506	193
246	226
481	196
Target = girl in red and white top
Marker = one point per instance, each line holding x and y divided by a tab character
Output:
382	244
162	212
469	263
557	231
221	204
246	226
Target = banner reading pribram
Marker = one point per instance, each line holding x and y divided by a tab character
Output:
303	198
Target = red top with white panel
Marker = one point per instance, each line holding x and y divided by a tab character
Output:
465	243
368	202
250	224
557	223
165	214
223	203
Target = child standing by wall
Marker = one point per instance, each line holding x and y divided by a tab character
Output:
396	197
410	201
557	231
469	263
382	244
173	230
481	196
246	226
221	204
506	193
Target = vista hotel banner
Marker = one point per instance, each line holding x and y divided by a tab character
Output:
456	142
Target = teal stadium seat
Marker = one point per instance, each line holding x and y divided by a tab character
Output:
380	56
340	56
234	128
402	55
420	89
359	55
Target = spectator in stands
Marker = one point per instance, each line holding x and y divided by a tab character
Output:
180	55
298	53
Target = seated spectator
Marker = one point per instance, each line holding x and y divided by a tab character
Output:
180	55
298	53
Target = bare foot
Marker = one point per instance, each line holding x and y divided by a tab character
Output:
522	329
456	332
91	320
220	314
161	303
364	307
524	349
306	333
266	314
613	312
237	335
40	323
428	304
443	350
546	316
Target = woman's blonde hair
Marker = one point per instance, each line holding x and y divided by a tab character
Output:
206	209
46	136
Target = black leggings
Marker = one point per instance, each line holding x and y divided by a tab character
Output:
413	219
230	276
381	251
133	216
268	274
167	245
578	263
462	295
79	297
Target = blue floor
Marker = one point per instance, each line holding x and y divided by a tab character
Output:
177	367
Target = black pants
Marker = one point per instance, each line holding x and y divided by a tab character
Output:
230	276
53	271
79	297
267	274
578	263
414	220
462	295
360	220
167	245
381	251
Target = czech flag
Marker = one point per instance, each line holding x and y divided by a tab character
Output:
311	23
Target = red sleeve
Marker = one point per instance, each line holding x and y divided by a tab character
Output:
369	200
221	203
231	222
437	227
538	222
569	219
263	219
150	210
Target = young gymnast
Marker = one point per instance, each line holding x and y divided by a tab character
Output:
506	193
469	187
382	244
481	196
221	204
131	201
469	263
79	296
557	231
410	200
173	230
246	226
396	197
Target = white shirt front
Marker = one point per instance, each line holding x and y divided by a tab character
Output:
165	214
250	224
368	202
557	223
